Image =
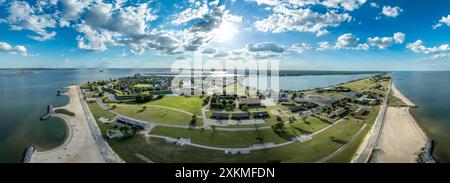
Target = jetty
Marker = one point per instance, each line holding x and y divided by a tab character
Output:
27	154
426	155
49	113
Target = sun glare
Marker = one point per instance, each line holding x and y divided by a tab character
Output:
225	32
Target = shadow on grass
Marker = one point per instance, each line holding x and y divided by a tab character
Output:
302	130
339	141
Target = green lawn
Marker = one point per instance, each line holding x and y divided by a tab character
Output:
99	112
156	114
160	151
396	102
65	111
346	155
223	138
311	125
189	104
143	85
359	85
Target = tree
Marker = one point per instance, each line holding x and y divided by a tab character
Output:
291	120
245	107
194	120
279	126
114	107
144	107
141	98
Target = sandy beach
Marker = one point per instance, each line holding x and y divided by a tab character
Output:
401	137
80	145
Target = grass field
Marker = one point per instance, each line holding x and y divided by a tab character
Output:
346	155
160	151
65	111
99	112
189	104
156	114
223	138
311	125
395	102
143	85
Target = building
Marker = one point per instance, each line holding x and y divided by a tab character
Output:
112	134
287	103
251	102
240	115
219	115
360	111
133	122
295	108
337	113
260	114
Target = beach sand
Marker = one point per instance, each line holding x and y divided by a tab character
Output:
80	146
401	137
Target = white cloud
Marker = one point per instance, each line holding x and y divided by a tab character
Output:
399	37
443	21
221	54
391	11
302	20
348	5
350	41
324	45
7	48
384	42
21	16
190	14
418	47
300	48
374	5
265	47
345	41
209	50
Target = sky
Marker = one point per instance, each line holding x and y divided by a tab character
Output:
299	34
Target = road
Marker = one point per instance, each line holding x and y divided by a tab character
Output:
109	155
366	153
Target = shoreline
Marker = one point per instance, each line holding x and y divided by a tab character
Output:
79	146
401	137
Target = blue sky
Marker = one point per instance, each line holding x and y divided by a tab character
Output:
301	34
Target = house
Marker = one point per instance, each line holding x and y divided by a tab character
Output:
113	133
279	118
337	113
251	102
240	115
287	103
360	111
219	115
309	105
260	114
295	108
133	122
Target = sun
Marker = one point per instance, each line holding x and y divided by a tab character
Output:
225	32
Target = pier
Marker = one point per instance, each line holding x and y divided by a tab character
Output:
27	154
49	113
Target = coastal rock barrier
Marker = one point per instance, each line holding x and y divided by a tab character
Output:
27	154
49	113
426	155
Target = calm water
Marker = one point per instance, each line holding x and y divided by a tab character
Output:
23	100
431	92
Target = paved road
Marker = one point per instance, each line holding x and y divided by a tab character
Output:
366	153
109	155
